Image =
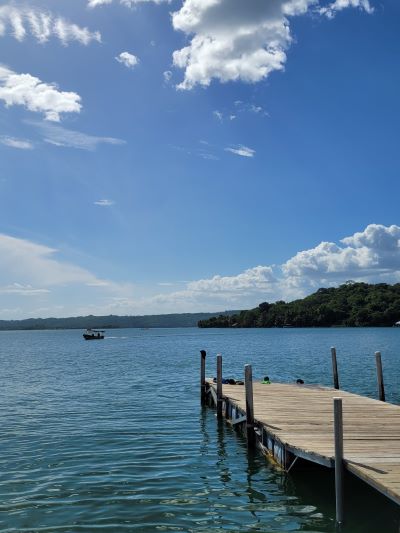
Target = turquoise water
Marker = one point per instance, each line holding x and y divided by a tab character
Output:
109	436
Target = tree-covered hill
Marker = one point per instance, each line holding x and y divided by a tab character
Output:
111	321
351	304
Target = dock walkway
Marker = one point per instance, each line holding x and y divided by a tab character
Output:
297	421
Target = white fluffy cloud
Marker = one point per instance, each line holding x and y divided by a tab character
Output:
257	278
338	5
35	95
42	25
31	269
242	39
12	142
372	255
127	59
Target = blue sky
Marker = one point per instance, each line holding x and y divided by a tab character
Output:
195	155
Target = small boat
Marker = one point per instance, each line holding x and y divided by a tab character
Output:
93	334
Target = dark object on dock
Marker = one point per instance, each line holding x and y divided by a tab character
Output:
299	382
93	335
266	381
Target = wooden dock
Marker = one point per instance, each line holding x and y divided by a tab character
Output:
290	421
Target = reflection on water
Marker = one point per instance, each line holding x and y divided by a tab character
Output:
111	436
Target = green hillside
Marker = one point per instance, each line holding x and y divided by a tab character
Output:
351	304
110	321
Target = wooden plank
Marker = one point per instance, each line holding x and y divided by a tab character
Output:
301	420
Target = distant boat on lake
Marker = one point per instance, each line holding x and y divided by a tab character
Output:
93	334
397	325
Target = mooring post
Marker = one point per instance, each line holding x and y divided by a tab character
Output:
219	385
379	375
248	380
203	377
334	368
339	471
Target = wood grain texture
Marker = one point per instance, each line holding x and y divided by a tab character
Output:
301	417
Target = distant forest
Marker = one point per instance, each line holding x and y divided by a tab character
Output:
351	304
111	321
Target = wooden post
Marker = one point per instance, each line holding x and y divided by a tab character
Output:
379	375
334	369
203	377
248	380
219	385
338	425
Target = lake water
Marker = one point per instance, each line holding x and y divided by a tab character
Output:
109	436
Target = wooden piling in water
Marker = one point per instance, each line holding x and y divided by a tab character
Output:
203	392
335	369
339	470
248	381
219	386
379	375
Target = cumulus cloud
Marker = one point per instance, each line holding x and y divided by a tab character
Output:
252	279
241	150
376	237
12	142
243	40
20	21
66	138
372	255
339	5
127	59
35	95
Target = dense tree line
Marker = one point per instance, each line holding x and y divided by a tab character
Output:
351	304
111	321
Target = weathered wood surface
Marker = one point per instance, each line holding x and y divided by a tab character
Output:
301	417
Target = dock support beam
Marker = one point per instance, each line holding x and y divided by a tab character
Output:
248	380
339	470
334	368
379	375
219	386
203	377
